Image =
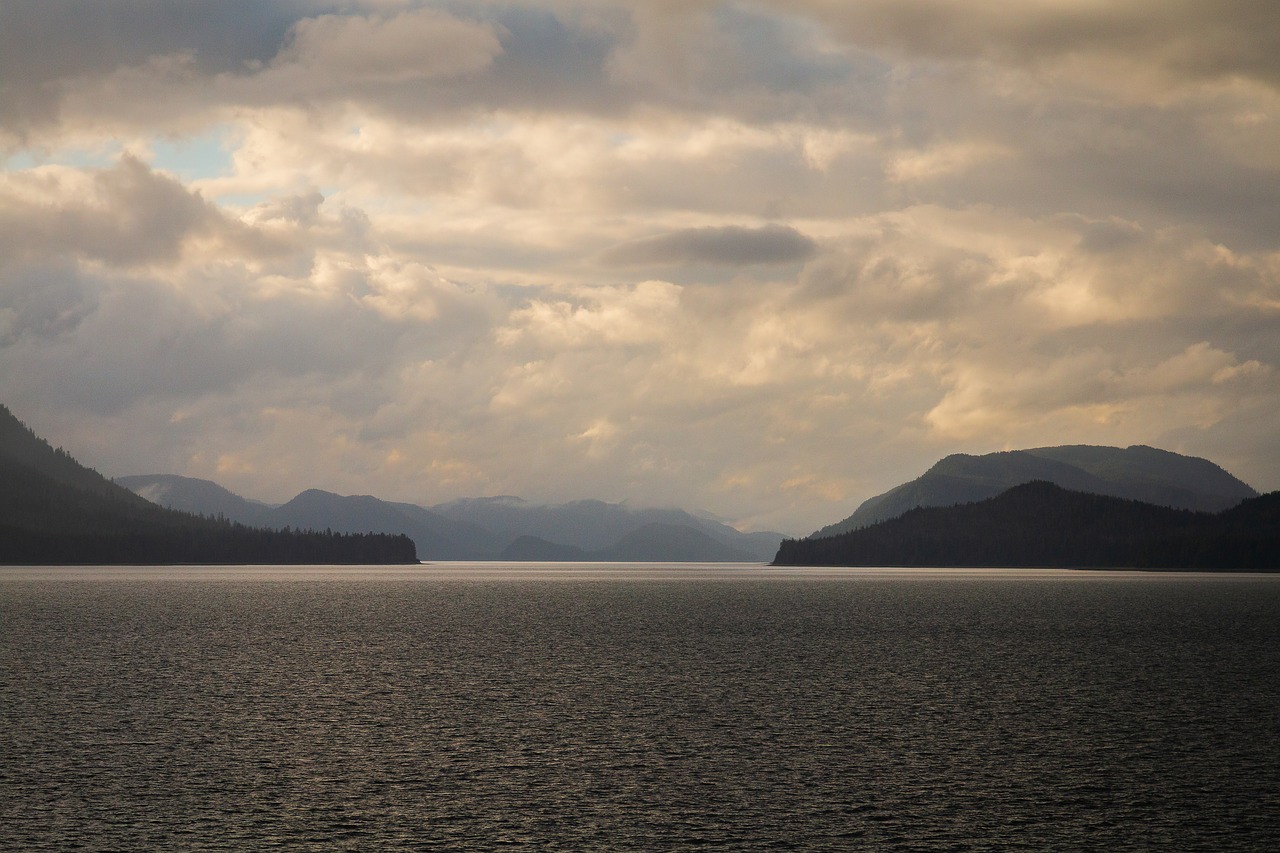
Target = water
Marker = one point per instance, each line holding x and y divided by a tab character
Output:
637	708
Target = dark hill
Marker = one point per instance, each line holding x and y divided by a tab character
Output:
1041	524
27	456
1139	473
55	511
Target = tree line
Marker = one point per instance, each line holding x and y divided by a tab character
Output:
1042	525
55	511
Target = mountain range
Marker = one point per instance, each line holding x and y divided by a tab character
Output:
1042	524
491	528
1140	473
1072	505
53	510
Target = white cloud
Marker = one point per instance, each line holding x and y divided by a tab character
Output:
644	314
428	266
949	159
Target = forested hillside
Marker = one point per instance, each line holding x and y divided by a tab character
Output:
54	511
1138	473
1041	524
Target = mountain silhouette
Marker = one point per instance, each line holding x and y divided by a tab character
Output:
198	497
1042	524
537	549
666	542
490	528
53	510
1139	473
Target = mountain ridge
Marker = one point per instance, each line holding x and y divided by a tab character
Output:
485	528
53	510
1040	524
1137	472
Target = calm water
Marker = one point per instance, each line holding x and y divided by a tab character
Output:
569	707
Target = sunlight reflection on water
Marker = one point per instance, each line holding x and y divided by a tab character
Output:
639	707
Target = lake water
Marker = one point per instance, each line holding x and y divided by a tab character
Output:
594	707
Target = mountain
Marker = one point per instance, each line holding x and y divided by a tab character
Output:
55	511
504	527
535	549
664	542
654	543
594	526
435	536
198	497
1138	473
1042	524
24	454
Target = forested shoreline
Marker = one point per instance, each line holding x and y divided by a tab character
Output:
55	511
1042	525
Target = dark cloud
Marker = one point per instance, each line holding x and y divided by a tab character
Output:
161	61
730	245
43	301
549	56
46	40
882	280
47	43
1185	39
1109	236
747	61
779	54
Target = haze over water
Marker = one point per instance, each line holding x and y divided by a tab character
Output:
571	706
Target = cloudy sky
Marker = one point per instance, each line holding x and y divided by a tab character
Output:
765	259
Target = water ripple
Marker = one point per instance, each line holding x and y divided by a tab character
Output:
923	712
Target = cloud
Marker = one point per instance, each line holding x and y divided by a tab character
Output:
123	215
42	301
642	314
454	249
415	45
1092	389
1182	41
950	159
49	48
730	245
121	287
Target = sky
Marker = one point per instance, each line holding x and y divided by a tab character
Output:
761	259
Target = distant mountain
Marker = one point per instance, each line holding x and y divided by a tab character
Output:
1042	524
506	527
536	549
1140	473
664	542
55	511
198	497
594	526
435	536
655	542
